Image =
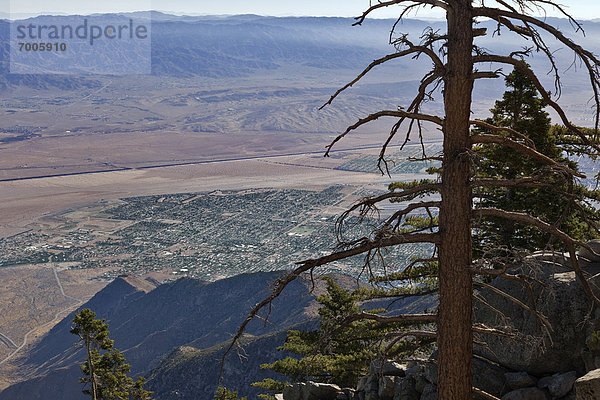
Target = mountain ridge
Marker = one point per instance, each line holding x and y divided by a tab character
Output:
147	326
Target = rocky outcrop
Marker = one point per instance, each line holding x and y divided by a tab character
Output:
590	259
311	391
539	348
419	382
531	393
519	380
542	361
588	386
558	385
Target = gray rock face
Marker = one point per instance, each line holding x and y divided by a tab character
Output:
558	384
371	387
586	257
430	393
431	372
588	386
387	385
389	368
347	394
519	380
293	392
311	391
525	394
416	373
362	383
406	390
420	383
488	377
561	299
414	370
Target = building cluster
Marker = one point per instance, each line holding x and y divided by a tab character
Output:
206	235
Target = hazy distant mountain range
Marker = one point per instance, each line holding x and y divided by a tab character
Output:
248	53
234	46
239	45
226	74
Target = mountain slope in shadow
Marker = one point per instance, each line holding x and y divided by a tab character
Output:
148	323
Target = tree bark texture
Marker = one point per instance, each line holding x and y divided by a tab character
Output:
455	315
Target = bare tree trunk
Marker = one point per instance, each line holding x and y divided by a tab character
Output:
455	337
93	383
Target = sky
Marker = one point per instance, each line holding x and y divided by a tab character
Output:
582	9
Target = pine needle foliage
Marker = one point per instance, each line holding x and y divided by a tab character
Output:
557	199
341	350
105	368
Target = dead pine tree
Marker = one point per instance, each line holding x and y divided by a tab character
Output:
457	63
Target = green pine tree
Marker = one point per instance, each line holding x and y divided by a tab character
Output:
105	368
522	109
339	352
226	394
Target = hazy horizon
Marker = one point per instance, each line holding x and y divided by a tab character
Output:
579	9
10	16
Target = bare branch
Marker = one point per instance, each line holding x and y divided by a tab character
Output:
485	75
369	204
526	219
521	182
405	273
554	231
574	23
409	208
588	58
422	95
530	32
522	65
365	244
306	265
483	395
371	201
402	318
500	129
278	287
491	307
496	14
382	4
412	49
430	158
478	328
481	328
487	138
363	73
400	296
398	336
580	275
386	113
541	317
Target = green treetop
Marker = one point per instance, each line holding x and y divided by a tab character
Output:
105	368
223	393
341	350
556	199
